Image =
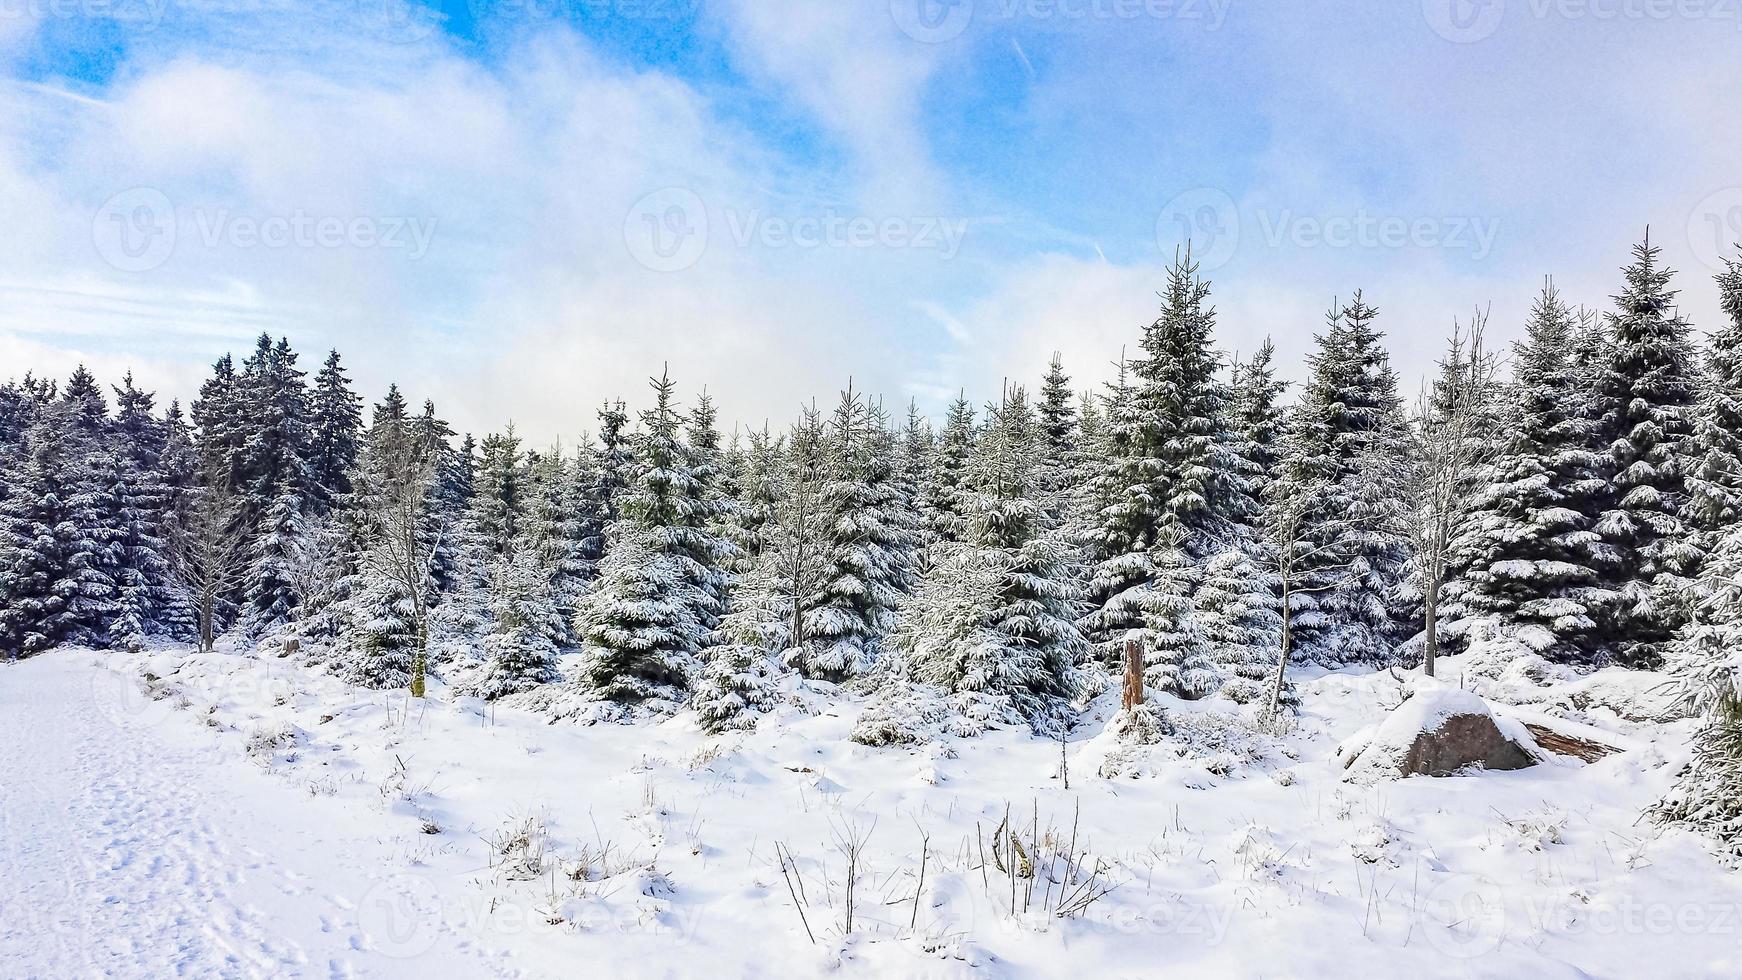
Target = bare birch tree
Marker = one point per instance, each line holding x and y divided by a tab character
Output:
207	551
1453	444
1295	557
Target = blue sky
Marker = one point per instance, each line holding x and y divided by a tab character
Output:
519	207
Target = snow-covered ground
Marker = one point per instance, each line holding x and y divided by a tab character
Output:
182	814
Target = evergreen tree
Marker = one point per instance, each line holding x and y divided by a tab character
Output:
739	680
1171	480
616	458
57	552
335	432
1715	483
1241	625
997	612
870	547
1532	563
1259	420
521	648
274	453
1704	658
1348	434
941	496
651	610
498	504
1649	390
139	511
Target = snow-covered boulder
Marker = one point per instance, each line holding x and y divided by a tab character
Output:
1439	731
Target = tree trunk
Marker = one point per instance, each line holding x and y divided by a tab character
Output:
1282	656
1132	696
206	623
1433	627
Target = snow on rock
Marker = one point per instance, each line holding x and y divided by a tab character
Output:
1439	731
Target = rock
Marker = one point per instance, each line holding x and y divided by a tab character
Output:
1439	731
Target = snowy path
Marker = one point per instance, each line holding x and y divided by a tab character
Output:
131	848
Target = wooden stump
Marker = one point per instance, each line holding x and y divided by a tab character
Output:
1132	696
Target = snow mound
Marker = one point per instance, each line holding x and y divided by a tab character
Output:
1439	731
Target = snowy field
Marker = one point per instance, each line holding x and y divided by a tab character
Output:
227	815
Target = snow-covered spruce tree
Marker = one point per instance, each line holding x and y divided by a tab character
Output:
913	472
273	597
139	513
1060	439
452	482
57	550
650	612
1650	390
996	613
1260	423
178	466
759	489
1706	657
521	648
1715	483
335	434
713	504
616	459
556	531
498	503
1176	650
1348	435
941	495
869	547
1531	562
1241	620
1172	479
220	425
738	681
